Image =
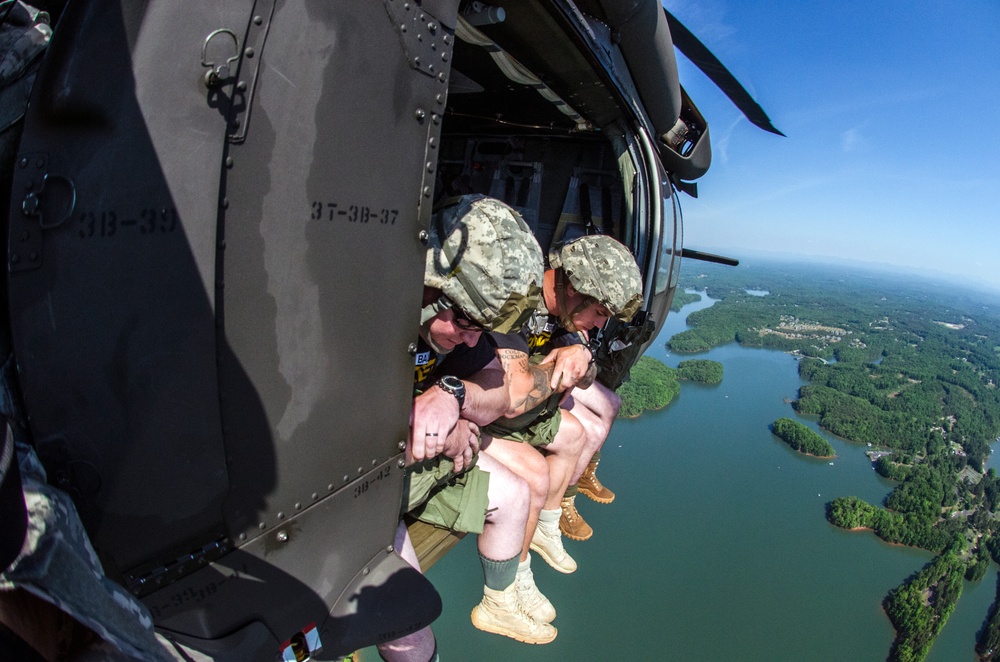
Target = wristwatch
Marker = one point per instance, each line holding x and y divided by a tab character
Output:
455	386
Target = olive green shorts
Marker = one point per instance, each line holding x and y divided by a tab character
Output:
434	494
539	432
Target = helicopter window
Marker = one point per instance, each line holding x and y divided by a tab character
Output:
670	260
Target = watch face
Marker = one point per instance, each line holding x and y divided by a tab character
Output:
455	386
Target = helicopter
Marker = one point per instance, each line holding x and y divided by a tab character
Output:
216	228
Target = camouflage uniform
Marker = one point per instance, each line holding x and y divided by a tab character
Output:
486	262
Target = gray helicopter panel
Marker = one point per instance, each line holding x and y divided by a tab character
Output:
322	265
218	216
112	324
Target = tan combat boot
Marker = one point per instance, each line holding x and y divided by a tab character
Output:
500	612
591	486
571	523
534	603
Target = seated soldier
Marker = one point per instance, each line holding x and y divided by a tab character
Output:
482	273
555	403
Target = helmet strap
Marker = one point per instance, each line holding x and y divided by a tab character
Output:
427	314
566	317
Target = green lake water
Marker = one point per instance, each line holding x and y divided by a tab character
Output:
716	547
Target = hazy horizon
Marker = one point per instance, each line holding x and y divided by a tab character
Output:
749	256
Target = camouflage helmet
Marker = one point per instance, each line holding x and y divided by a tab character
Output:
603	269
485	260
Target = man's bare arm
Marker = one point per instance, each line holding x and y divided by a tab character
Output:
529	384
486	395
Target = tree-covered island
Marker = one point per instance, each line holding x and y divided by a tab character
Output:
801	438
700	370
911	370
651	385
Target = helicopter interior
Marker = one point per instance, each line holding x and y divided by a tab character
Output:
507	133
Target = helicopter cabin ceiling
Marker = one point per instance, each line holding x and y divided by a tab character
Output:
570	91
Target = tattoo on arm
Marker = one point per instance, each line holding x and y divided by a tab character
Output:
540	389
538	376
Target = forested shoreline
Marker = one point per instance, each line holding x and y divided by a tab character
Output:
909	369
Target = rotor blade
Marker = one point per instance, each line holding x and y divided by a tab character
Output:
702	58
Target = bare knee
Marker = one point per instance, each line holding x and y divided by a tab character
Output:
571	437
614	404
415	647
508	492
535	470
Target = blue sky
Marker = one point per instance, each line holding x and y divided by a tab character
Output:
892	117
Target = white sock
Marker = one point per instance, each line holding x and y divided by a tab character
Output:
549	519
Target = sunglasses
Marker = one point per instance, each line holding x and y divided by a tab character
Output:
463	322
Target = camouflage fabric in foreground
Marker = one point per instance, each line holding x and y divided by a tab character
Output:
58	564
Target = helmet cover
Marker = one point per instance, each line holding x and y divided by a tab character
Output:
603	269
483	257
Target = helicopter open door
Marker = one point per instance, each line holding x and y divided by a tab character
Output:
215	247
